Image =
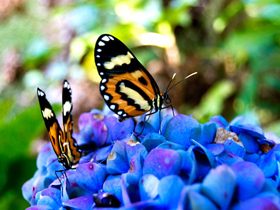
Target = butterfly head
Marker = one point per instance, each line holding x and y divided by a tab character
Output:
64	160
165	98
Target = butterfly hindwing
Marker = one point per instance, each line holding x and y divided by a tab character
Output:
70	146
126	86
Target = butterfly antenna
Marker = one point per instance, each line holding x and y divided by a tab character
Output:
170	81
180	81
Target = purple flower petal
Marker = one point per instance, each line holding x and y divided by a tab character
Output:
187	162
148	128
249	178
219	185
48	201
228	158
184	202
250	143
84	202
169	190
53	193
43	155
234	148
181	129
29	191
154	120
253	158
215	149
152	140
198	201
274	197
92	129
72	190
240	120
99	155
135	171
40	207
171	145
268	164
252	130
90	177
209	155
148	187
194	167
257	203
274	181
273	137
219	121
165	122
118	130
133	147
208	133
162	162
113	185
117	161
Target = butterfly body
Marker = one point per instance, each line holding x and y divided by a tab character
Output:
126	86
64	145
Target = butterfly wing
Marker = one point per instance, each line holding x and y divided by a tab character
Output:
53	128
126	86
70	146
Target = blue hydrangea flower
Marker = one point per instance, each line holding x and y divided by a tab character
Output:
175	163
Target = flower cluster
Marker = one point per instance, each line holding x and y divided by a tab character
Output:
176	163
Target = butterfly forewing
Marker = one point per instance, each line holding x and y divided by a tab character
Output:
53	128
126	86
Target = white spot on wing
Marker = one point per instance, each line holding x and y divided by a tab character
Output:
106	97
111	37
124	115
104	80
47	113
66	107
105	38
113	106
99	50
40	93
120	112
100	43
65	85
98	56
101	73
98	64
102	87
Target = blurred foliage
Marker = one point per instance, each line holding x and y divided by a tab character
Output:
234	46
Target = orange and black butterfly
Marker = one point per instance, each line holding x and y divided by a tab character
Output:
126	86
64	145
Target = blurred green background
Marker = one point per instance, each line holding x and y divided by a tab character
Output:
233	45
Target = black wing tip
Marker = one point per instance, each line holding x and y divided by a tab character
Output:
103	35
66	84
104	38
40	93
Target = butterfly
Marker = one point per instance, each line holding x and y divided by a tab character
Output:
127	87
63	143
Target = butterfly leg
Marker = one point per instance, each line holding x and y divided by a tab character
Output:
170	105
146	120
63	173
